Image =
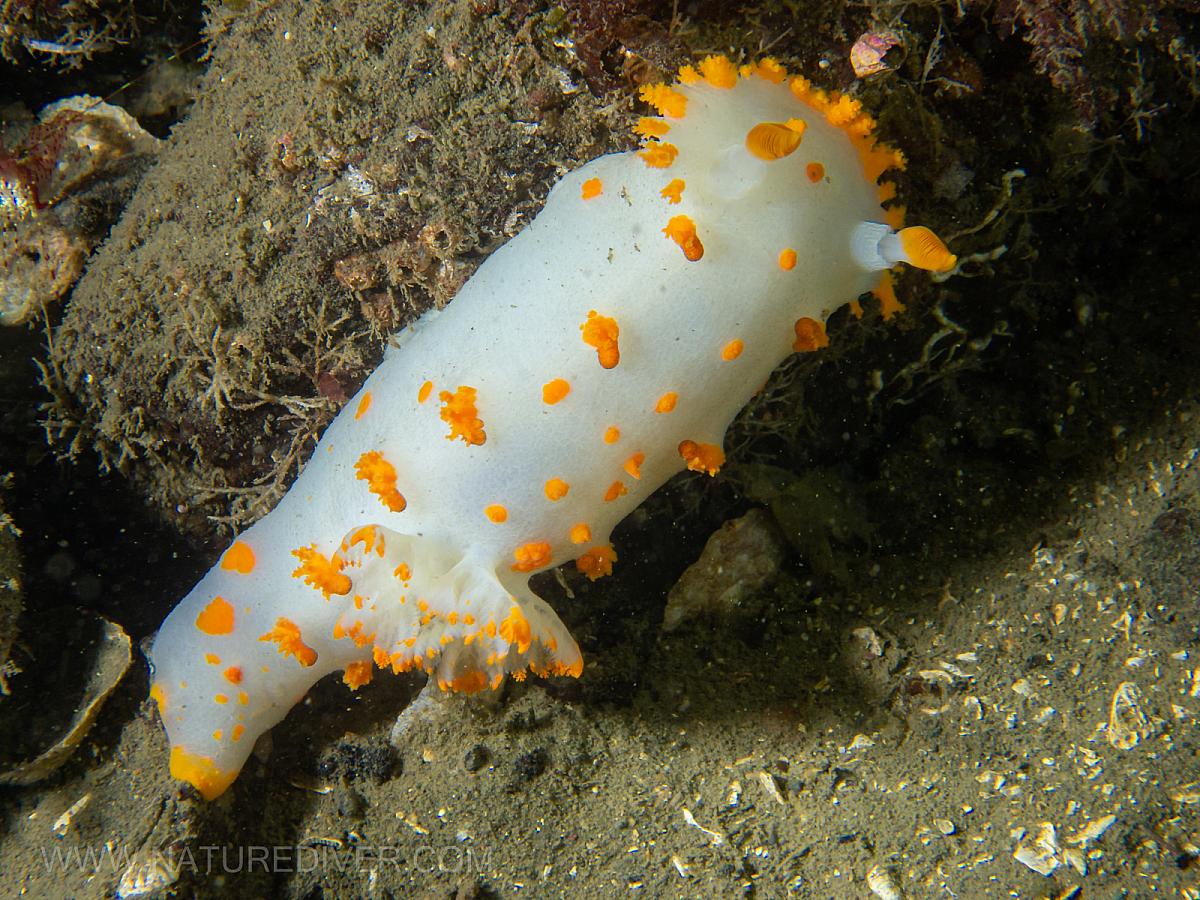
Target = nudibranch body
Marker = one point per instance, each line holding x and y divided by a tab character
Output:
602	350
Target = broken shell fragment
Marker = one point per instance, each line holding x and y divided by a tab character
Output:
867	54
53	704
39	262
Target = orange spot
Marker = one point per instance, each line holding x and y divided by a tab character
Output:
689	75
591	188
651	127
682	230
212	659
633	465
243	698
286	634
673	192
380	476
718	71
668	101
702	457
238	558
612	434
810	335
666	403
597	562
602	333
357	673
580	533
363	405
403	572
770	141
815	172
157	695
787	259
318	572
925	249
496	513
201	772
238	731
533	555
233	675
217	734
615	490
216	618
424	391
460	413
553	391
515	629
556	489
732	350
220	699
659	155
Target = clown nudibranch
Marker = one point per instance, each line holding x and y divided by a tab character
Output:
599	352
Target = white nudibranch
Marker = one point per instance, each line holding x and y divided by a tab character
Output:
602	350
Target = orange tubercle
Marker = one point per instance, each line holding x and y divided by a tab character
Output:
732	350
357	673
233	675
602	333
515	629
460	413
668	101
597	562
814	171
554	391
592	188
363	405
380	476
810	335
673	192
286	634
580	533
650	127
667	402
615	490
216	617
424	391
496	513
702	457
787	259
238	558
612	434
533	555
718	71
633	465
659	155
682	230
556	489
320	572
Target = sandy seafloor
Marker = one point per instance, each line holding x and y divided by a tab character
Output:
978	675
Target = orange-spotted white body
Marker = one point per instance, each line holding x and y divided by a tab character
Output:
602	350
